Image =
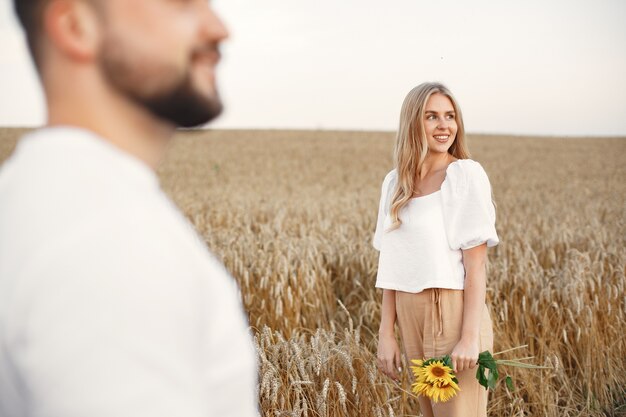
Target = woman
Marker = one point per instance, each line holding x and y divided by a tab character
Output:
436	219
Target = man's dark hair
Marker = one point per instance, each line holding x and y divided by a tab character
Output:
30	15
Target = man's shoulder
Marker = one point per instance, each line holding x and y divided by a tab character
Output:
61	196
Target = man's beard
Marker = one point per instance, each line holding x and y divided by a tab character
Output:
175	101
182	106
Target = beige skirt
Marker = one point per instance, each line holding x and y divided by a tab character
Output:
430	326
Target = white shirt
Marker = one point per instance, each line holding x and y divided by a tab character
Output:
426	250
110	304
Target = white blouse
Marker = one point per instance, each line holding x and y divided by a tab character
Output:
426	250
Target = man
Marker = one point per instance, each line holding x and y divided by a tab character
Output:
110	304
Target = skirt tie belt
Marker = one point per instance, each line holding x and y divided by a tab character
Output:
436	316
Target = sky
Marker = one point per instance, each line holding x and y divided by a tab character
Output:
533	67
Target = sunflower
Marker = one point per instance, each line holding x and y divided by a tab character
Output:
442	391
421	388
417	368
438	372
417	362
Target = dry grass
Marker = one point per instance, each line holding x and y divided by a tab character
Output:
292	213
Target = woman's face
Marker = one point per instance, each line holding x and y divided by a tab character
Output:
439	123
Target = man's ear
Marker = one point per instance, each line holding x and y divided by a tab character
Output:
72	26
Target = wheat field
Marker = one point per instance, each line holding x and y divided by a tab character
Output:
291	214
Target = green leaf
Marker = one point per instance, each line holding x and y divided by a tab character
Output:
509	383
485	355
480	376
492	378
486	361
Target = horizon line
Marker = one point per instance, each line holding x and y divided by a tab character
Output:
347	130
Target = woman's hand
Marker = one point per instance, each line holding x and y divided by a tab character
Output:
389	361
465	354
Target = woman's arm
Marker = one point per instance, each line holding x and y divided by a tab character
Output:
388	350
465	353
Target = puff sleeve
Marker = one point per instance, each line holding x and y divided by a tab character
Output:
468	211
383	207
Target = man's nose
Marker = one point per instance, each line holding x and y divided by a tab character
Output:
213	27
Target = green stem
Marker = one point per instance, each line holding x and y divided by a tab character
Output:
520	364
509	350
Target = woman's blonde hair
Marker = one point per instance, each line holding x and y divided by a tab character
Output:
411	144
